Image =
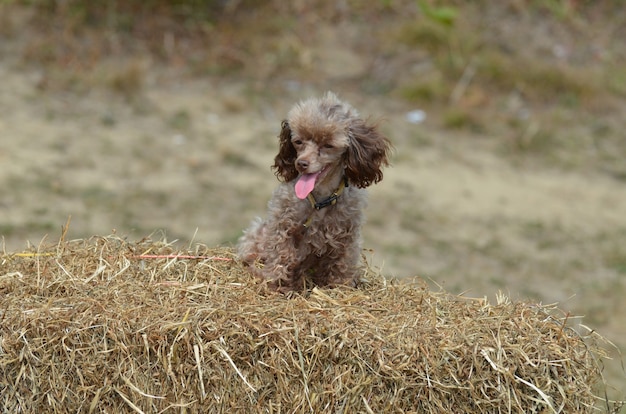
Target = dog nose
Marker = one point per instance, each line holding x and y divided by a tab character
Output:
304	164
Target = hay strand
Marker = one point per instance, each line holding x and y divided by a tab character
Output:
105	325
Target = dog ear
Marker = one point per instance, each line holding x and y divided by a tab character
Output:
368	151
285	161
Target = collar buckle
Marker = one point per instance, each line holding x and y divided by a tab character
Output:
329	201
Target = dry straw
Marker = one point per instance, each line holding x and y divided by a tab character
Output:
104	325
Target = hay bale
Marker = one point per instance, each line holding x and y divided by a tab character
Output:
104	325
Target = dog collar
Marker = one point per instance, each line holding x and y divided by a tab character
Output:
328	201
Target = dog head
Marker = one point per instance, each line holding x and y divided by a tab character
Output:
327	136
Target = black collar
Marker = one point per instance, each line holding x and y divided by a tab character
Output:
328	201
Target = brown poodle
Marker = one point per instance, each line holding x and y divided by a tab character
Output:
327	156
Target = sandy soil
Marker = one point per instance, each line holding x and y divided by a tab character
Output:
189	157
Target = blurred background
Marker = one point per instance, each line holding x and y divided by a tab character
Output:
160	118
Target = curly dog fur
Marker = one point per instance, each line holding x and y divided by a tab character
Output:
328	156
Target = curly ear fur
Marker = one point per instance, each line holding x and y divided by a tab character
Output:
366	155
285	160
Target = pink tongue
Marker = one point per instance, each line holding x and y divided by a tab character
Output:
305	185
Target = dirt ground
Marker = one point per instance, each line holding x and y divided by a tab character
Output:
516	186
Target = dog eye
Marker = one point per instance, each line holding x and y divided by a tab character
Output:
297	142
328	146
